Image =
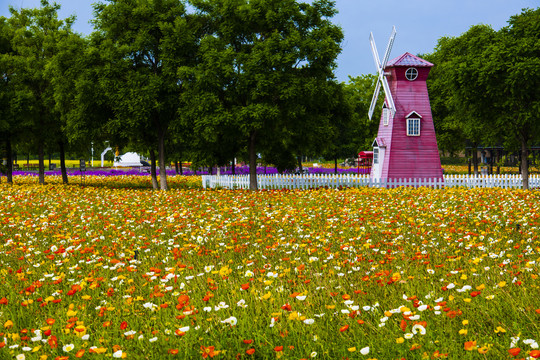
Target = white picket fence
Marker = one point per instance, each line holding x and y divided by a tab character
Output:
310	181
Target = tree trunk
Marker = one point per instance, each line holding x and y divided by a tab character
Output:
335	164
475	161
161	154
63	162
9	173
153	173
233	167
181	168
41	165
176	167
525	164
252	161
299	159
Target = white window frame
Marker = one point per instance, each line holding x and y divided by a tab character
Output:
386	115
411	74
375	155
413	126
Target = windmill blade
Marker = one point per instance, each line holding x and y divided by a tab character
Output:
388	95
374	52
374	99
389	47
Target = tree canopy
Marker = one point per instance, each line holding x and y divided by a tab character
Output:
485	85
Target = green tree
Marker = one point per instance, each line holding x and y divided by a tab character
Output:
142	44
488	82
258	67
462	112
63	72
359	91
7	123
36	34
511	77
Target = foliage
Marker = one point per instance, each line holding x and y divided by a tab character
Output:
262	77
34	40
143	44
484	86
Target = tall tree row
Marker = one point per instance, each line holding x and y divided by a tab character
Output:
228	78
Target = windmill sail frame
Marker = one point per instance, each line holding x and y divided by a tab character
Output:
381	78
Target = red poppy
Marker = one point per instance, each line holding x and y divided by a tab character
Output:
403	325
278	348
173	351
123	325
53	342
343	328
247	341
514	351
250	351
287	307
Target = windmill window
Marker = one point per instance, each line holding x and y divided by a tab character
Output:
375	155
386	115
411	74
413	127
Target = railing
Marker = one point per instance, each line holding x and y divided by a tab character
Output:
310	181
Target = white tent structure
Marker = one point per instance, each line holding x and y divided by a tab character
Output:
129	159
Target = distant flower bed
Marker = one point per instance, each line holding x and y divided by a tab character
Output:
240	170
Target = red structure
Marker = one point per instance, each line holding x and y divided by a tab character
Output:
406	145
364	162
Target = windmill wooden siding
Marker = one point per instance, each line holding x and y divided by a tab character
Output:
409	156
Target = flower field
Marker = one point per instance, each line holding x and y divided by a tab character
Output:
124	272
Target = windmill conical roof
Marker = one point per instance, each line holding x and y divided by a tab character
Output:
409	59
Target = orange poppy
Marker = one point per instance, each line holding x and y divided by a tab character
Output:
80	353
343	328
278	348
470	345
514	351
535	354
207	351
250	351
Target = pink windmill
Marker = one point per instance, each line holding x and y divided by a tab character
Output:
405	146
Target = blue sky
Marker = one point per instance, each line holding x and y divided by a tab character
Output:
419	24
